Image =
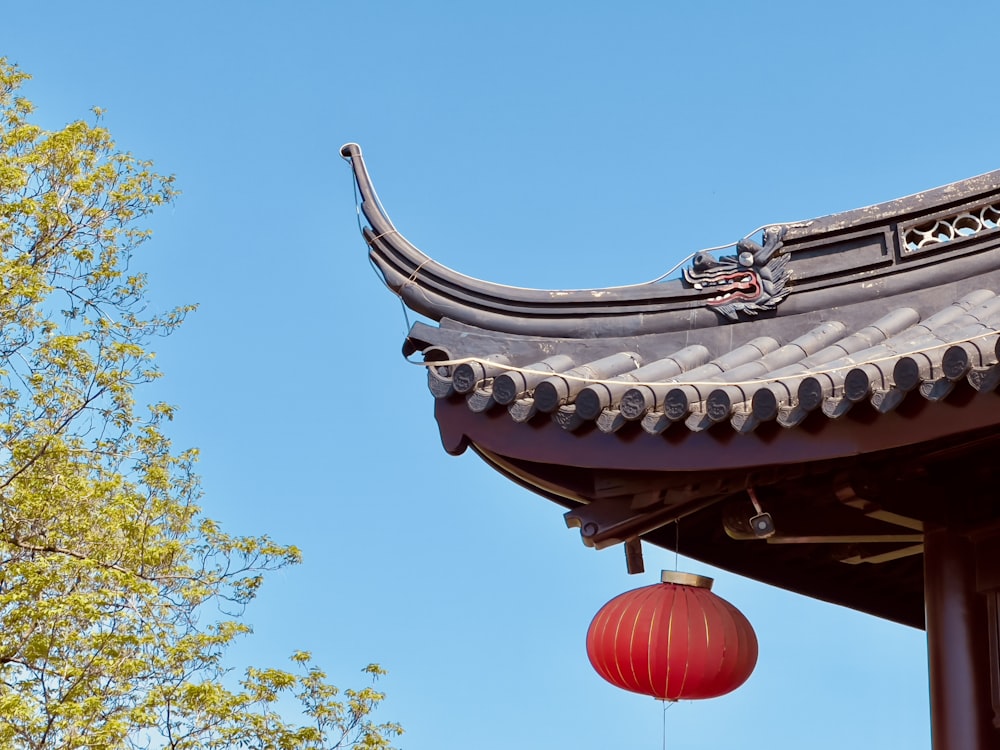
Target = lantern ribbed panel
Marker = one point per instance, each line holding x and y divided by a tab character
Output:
672	641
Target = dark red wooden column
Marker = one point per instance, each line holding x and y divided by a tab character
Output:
958	645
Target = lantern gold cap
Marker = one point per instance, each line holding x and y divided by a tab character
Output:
686	579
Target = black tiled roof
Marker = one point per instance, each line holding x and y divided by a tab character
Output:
830	368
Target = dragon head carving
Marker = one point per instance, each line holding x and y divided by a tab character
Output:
749	282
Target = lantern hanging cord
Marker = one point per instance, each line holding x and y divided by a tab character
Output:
677	544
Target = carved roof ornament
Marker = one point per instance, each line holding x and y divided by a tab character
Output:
749	282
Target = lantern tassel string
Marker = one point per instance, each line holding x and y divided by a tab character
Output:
666	707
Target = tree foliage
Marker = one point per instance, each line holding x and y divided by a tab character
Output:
118	598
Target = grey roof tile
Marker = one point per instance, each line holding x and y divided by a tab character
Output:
829	367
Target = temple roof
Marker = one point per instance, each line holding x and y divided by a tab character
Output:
836	375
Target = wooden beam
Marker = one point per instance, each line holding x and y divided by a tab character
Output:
884	557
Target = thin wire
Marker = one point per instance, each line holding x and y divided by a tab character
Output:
677	543
378	271
381	209
684	260
406	315
658	279
357	204
664	275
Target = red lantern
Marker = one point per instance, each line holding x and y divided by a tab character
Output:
674	640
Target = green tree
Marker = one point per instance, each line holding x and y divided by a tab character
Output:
111	579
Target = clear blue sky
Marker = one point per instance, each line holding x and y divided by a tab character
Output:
559	144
